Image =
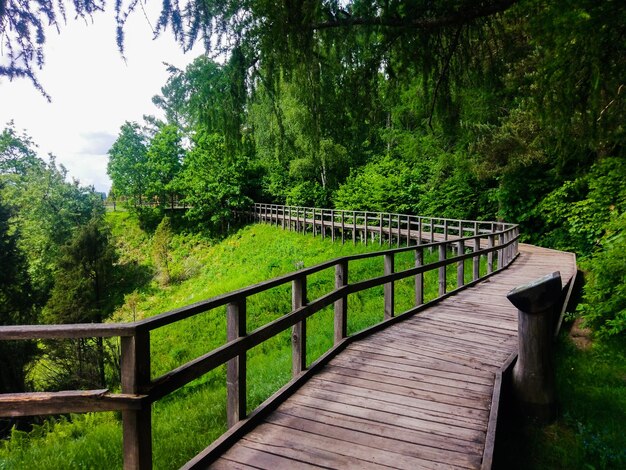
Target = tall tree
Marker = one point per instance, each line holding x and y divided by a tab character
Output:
16	304
127	164
163	163
80	295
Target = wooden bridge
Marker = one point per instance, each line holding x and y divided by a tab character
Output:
419	390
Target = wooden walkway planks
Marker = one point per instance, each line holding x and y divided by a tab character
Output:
416	395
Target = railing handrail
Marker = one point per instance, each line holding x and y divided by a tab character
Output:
139	390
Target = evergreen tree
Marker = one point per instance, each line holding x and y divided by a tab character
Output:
16	305
80	295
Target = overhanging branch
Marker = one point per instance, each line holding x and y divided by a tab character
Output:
454	19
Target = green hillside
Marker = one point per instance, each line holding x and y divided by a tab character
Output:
188	420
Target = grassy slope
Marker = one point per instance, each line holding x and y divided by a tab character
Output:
186	421
592	384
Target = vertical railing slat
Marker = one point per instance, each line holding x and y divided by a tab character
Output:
298	332
341	305
236	367
136	424
389	287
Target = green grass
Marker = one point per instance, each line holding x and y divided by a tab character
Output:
590	431
188	420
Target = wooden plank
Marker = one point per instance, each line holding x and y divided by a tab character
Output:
425	408
394	363
424	456
256	458
399	394
357	451
275	439
435	363
392	389
392	431
76	401
402	377
420	419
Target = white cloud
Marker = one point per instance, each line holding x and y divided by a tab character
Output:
93	90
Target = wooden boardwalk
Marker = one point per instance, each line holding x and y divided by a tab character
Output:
415	395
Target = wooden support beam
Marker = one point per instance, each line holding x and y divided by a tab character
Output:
460	265
236	367
341	305
298	331
419	278
490	244
136	424
534	374
389	287
442	269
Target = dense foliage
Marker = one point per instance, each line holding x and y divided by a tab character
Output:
57	265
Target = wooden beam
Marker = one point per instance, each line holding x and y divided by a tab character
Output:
236	367
14	405
298	332
341	305
136	424
389	287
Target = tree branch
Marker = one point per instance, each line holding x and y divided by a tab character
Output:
454	19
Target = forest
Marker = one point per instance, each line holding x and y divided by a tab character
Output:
492	110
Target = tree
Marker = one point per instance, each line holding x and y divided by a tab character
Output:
82	284
163	163
127	164
16	304
214	182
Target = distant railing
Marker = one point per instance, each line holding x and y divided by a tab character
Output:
494	241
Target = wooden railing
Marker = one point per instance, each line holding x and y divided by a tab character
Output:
380	227
494	241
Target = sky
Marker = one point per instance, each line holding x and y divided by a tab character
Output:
93	90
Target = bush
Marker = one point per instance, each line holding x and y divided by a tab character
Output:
604	306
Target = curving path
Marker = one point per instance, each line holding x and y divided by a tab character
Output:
415	395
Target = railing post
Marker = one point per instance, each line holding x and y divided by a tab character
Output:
365	217
490	244
298	331
408	230
332	225
419	278
343	227
380	229
389	287
236	367
323	228
533	373
341	305
501	251
442	269
432	231
136	424
419	230
476	259
282	208
445	229
460	265
354	227
390	230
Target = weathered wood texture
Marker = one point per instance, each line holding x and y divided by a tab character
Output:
415	395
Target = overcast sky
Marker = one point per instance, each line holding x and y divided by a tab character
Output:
93	90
